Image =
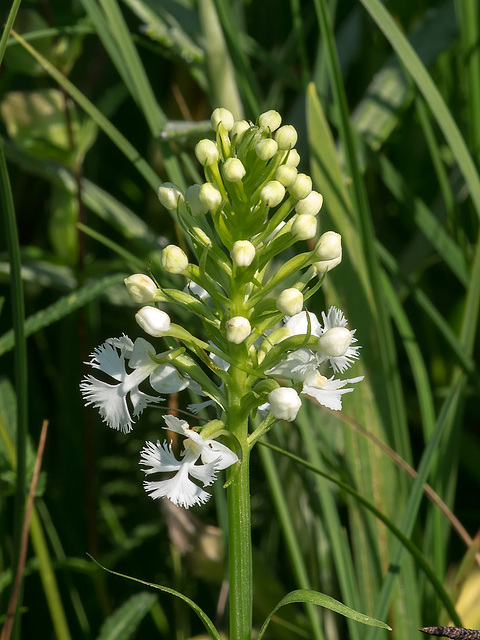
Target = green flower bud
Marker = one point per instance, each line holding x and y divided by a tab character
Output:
153	321
238	329
222	117
311	204
174	259
290	302
301	187
192	196
266	149
286	137
286	175
169	195
293	158
270	120
206	152
233	170
239	128
304	227
242	253
141	288
334	342
210	196
329	246
272	193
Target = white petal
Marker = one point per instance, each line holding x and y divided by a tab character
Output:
218	453
108	359
111	404
298	324
159	457
166	379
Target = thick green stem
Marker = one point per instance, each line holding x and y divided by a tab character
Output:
239	528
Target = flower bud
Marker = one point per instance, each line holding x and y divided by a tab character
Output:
311	204
304	227
153	321
192	196
266	149
293	158
301	187
272	193
286	175
201	236
169	194
206	152
242	253
334	342
285	403
290	302
239	128
270	120
141	288
221	117
210	196
329	246
286	137
238	328
233	170
326	265
174	259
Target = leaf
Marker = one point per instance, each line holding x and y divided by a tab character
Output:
314	597
201	614
126	619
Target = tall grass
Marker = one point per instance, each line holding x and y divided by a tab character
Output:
101	102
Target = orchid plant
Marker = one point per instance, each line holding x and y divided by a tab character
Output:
260	351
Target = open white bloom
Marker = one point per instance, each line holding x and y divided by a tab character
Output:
111	399
179	488
327	391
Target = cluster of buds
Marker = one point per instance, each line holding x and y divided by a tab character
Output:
253	206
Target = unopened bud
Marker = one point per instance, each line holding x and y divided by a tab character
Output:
239	128
210	196
290	302
326	265
233	170
192	196
286	175
334	342
174	259
222	117
304	227
301	187
293	158
206	152
329	246
169	194
238	329
285	403
141	288
266	149
242	253
311	204
153	321
270	120
272	193
286	137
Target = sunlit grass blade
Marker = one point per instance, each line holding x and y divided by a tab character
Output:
105	125
7	27
62	307
431	94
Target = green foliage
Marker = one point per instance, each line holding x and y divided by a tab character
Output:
103	101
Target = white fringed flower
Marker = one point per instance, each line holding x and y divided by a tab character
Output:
111	399
327	391
332	322
179	488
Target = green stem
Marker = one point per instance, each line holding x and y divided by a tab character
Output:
239	528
